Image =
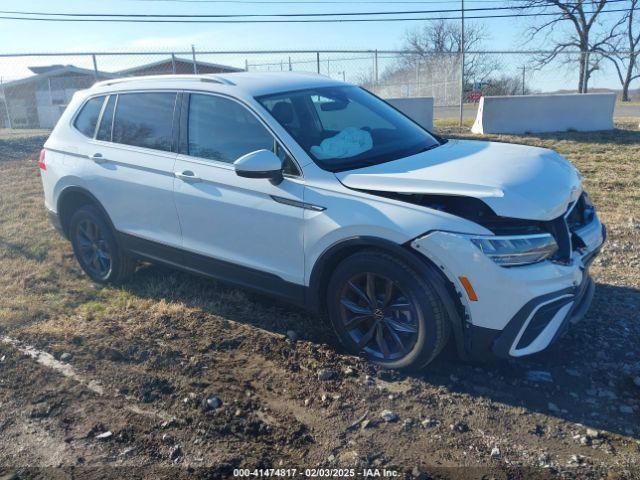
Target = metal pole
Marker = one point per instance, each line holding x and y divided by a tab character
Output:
290	63
195	65
375	65
6	103
461	61
318	61
246	65
95	66
173	63
50	92
524	71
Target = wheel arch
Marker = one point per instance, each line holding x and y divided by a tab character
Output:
332	256
73	197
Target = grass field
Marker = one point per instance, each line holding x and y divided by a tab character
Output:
144	355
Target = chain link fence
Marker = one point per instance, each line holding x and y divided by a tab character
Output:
35	88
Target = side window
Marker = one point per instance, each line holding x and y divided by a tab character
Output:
104	131
144	120
221	129
87	119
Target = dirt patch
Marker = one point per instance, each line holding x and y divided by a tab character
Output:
197	378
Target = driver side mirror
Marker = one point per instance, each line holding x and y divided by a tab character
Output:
260	164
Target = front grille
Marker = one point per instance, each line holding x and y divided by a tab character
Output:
580	214
563	228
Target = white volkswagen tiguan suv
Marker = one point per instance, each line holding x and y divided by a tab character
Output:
318	192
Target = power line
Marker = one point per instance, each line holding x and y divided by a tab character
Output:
247	15
244	15
334	2
294	20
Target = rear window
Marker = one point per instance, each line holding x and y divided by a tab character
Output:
144	120
87	119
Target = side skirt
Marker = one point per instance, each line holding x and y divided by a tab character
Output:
249	278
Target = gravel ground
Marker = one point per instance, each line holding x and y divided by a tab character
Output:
174	376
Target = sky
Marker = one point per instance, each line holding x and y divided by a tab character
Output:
30	37
18	36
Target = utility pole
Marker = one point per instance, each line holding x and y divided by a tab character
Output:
461	61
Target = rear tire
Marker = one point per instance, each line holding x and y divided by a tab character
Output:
96	249
381	308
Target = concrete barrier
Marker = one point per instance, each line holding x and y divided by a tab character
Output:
419	109
545	113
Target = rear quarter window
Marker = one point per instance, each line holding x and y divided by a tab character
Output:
144	119
87	119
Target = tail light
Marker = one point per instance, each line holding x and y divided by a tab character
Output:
41	163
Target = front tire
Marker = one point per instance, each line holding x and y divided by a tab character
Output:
381	308
96	248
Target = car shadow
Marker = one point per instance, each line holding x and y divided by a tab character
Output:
587	377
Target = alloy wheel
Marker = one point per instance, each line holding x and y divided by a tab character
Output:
93	248
378	316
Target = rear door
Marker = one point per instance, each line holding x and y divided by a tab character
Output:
132	158
246	230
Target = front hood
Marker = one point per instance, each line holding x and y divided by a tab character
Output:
516	181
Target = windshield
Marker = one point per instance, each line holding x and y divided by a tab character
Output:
346	127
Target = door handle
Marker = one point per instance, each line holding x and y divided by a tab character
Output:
98	158
187	176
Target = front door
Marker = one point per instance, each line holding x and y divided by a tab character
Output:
249	231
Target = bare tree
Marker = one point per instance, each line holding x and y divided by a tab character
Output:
505	85
587	33
625	51
436	39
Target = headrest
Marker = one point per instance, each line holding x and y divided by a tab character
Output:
283	112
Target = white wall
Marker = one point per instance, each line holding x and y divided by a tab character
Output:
545	113
419	109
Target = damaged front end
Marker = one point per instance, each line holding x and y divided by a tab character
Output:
568	230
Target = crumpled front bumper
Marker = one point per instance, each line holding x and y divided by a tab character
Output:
520	310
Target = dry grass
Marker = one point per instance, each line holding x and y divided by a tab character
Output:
171	327
42	280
